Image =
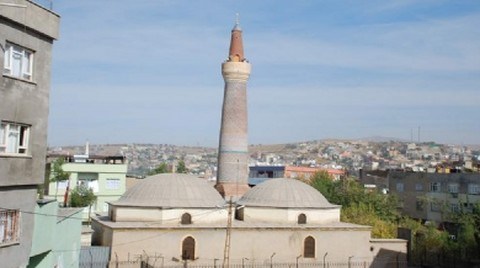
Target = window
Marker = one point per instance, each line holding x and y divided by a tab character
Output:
62	185
18	61
186	218
188	248
309	247
435	207
302	219
435	187
399	187
453	188
473	188
419	205
14	138
113	184
454	207
90	184
9	226
418	187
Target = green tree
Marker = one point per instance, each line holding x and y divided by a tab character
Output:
364	214
58	174
162	168
324	183
359	205
467	231
181	168
82	196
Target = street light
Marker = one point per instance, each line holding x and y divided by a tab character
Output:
325	256
163	260
296	261
349	263
271	260
243	262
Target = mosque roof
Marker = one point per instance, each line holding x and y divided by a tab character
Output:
285	193
171	191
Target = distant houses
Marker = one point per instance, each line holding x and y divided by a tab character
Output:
261	173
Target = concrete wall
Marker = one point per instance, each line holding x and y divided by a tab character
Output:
56	240
22	198
67	247
34	16
25	102
44	228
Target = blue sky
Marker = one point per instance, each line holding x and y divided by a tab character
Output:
149	71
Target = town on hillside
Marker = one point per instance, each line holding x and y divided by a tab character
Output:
350	156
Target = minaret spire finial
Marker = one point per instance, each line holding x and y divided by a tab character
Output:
237	19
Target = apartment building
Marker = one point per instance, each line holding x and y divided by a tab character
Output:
433	196
27	31
105	175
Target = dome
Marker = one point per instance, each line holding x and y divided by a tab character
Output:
171	191
285	193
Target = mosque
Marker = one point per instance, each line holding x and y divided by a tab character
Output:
182	218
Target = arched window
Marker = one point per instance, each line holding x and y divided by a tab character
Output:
188	248
186	218
309	247
302	219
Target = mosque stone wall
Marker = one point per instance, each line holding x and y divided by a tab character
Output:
256	244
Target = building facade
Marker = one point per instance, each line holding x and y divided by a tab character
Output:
433	196
27	32
105	175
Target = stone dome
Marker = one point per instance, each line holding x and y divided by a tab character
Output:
285	193
171	191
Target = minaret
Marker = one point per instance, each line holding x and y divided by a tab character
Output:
232	174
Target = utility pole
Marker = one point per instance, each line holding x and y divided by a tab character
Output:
226	252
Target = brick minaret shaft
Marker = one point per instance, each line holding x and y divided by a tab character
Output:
232	174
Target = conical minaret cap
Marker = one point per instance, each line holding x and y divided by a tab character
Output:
236	44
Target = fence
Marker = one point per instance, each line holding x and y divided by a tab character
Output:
157	263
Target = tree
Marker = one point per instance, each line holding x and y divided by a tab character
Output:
162	168
324	183
58	174
82	196
359	205
181	168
